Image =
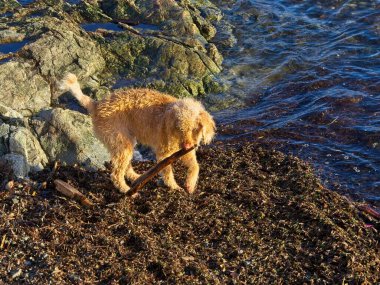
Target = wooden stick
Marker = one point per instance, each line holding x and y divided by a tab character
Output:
143	179
369	210
69	191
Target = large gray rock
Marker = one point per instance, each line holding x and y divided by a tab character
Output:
18	164
4	135
18	145
67	136
24	143
23	89
8	113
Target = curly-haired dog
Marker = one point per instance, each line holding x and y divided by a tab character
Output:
158	120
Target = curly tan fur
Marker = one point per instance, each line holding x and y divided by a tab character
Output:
158	120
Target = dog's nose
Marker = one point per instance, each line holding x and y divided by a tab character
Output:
187	145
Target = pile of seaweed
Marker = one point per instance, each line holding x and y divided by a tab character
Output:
258	217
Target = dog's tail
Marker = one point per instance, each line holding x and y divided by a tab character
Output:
70	83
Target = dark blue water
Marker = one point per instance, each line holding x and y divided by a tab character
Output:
142	28
73	2
92	27
304	77
12	47
4	60
5	15
25	2
146	27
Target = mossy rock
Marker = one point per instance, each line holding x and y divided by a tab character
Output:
8	6
150	59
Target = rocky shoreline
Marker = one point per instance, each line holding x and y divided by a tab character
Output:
258	216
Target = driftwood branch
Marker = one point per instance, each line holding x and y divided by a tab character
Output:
144	178
71	192
369	210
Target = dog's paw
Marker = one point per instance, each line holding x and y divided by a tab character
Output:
133	177
177	188
190	188
124	189
161	183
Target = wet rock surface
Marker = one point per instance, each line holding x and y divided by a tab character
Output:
271	223
164	45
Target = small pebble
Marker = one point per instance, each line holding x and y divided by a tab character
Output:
16	273
74	278
188	258
9	185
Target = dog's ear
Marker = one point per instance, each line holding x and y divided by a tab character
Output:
173	120
208	127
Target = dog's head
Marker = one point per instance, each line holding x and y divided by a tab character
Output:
193	124
207	127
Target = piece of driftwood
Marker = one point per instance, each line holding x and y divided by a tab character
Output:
71	192
369	210
144	178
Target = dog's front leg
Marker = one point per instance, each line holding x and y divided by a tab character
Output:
167	175
118	170
190	161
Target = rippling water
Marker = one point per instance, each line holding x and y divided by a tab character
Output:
304	76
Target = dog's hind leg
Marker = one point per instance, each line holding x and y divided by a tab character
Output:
131	174
167	173
121	156
190	161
